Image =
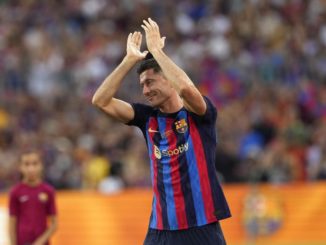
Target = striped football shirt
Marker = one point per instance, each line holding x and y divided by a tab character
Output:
181	149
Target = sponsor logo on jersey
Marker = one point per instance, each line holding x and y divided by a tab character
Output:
169	153
157	152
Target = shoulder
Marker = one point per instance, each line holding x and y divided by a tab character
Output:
47	187
142	113
15	189
210	113
210	106
138	107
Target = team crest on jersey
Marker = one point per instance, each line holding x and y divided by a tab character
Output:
43	197
181	126
157	152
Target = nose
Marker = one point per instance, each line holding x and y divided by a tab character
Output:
145	90
31	168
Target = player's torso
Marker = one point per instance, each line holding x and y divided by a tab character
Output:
32	205
32	202
181	149
170	144
179	170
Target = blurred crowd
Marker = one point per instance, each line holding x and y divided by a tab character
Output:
262	62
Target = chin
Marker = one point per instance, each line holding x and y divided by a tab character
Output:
152	102
32	178
155	103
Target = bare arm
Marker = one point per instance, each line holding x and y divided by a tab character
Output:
12	230
191	96
103	97
41	240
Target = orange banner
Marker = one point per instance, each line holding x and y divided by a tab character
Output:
284	215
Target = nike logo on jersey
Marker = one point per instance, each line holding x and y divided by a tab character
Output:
23	198
152	130
163	135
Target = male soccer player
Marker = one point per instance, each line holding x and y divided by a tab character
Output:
179	128
31	202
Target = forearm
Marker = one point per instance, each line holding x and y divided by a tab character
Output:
12	231
47	233
111	84
12	235
192	98
179	79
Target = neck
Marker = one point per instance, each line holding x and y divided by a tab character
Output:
30	182
172	104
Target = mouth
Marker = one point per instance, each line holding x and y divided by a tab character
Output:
150	97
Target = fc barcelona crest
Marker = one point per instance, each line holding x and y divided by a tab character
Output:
43	197
181	126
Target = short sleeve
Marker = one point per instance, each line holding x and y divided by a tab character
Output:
51	207
142	112
13	204
210	114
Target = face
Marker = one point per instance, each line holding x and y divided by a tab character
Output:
31	167
156	88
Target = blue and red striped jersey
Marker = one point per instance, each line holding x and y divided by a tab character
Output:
181	149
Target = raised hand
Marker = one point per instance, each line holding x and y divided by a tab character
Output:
133	46
154	40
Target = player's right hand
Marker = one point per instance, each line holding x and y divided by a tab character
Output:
133	47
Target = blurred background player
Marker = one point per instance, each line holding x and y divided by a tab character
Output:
179	128
31	202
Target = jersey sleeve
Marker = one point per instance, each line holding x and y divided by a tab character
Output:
210	114
13	204
51	207
142	113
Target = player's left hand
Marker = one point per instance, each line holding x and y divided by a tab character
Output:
154	40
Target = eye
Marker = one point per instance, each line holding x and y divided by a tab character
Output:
149	82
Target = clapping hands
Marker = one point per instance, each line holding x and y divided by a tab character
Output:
154	40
